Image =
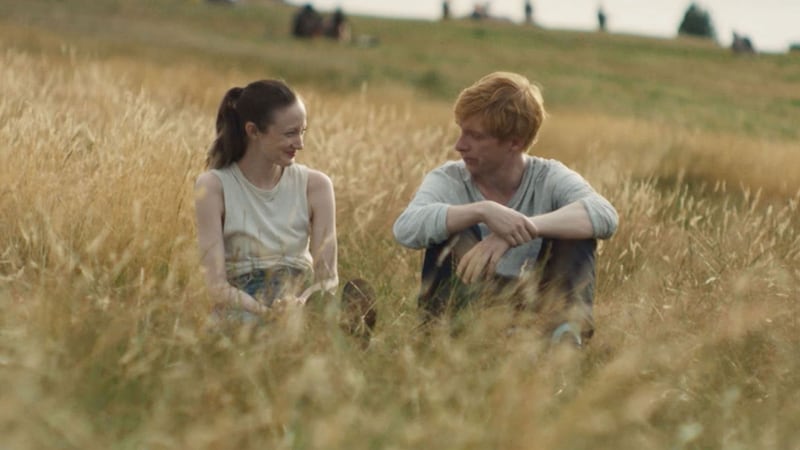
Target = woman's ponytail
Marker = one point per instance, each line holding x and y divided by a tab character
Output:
230	142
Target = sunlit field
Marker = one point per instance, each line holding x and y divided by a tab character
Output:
103	336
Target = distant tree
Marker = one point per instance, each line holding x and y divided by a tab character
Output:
696	22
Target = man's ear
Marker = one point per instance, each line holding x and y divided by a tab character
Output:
516	144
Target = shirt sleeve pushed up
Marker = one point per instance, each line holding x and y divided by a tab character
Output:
424	221
567	186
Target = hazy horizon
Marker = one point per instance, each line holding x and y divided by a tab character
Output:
771	24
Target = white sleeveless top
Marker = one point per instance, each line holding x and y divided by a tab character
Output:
265	228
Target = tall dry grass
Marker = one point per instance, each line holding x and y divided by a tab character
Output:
102	337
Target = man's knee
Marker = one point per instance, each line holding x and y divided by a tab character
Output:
569	265
439	282
567	282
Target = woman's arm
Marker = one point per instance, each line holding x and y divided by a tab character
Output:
323	247
210	210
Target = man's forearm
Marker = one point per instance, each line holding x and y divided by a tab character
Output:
570	222
461	217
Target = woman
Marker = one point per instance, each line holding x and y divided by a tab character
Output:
266	226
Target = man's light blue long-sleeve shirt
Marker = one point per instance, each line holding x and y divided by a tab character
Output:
546	186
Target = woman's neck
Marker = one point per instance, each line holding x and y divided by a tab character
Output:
261	173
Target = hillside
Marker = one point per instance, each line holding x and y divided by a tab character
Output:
684	82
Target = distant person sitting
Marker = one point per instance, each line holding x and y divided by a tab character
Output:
742	44
480	11
337	27
307	22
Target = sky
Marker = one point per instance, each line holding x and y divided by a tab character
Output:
772	25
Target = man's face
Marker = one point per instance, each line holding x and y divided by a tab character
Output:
482	153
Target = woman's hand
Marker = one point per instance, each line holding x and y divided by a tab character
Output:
329	285
244	300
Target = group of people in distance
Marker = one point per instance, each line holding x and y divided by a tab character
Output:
308	23
496	220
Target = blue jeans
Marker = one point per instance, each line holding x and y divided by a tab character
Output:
265	285
565	289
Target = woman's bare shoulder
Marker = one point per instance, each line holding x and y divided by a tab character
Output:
208	186
318	180
208	180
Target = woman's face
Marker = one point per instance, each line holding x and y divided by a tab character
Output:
284	137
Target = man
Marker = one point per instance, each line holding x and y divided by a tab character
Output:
528	12
500	217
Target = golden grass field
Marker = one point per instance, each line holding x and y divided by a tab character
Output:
102	337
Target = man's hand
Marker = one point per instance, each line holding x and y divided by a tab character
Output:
481	261
510	225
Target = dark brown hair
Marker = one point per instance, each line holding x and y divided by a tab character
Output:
257	103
